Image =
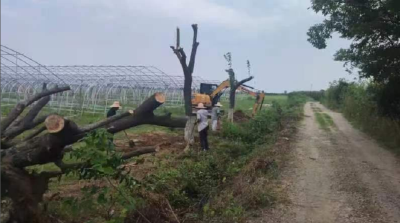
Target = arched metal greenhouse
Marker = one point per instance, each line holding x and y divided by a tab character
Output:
93	88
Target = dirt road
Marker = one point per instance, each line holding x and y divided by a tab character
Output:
339	175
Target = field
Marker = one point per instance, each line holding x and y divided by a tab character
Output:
244	103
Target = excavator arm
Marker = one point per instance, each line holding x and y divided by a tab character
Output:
208	99
259	103
243	89
222	86
259	98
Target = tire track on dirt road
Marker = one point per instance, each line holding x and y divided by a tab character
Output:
339	175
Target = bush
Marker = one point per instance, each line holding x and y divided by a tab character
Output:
361	105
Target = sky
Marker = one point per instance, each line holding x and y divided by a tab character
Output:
269	33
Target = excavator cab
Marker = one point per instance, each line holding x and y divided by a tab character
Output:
209	94
207	88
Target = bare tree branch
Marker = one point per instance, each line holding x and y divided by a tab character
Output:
105	122
19	108
243	81
72	166
35	133
24	126
34	111
195	44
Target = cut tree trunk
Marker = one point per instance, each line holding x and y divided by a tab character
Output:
26	191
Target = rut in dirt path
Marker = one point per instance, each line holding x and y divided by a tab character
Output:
338	175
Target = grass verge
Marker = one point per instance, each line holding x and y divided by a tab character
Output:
224	184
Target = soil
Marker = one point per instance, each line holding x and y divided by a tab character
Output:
240	116
167	143
341	175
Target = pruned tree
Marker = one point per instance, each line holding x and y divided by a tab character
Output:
234	84
232	93
187	88
48	144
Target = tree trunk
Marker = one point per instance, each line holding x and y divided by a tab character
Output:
26	191
232	94
187	88
190	130
230	114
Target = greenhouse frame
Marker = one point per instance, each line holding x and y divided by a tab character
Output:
93	88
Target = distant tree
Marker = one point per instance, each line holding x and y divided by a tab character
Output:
374	28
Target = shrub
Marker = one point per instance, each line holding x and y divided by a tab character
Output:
361	105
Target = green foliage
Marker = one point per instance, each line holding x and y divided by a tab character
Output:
197	176
106	204
321	121
100	160
188	181
255	131
315	95
359	102
374	28
324	120
334	95
263	126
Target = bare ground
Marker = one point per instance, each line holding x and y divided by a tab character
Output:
341	175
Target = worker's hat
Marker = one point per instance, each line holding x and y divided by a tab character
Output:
218	104
200	105
116	105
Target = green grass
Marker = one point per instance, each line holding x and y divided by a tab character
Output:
328	119
245	102
325	122
321	121
200	180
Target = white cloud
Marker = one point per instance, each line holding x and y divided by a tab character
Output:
204	12
272	34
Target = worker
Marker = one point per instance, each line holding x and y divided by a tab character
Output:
113	111
215	112
202	120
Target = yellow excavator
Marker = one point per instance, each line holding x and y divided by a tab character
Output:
259	98
211	93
